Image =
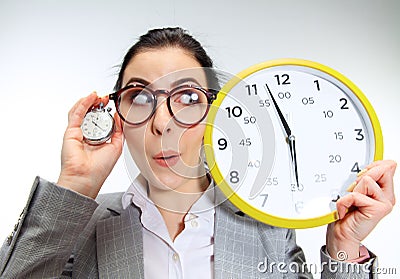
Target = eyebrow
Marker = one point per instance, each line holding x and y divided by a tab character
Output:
173	84
139	80
183	80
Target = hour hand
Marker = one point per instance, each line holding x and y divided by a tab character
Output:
292	146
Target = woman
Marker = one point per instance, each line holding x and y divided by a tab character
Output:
170	223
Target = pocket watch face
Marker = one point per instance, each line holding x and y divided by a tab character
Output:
97	126
288	137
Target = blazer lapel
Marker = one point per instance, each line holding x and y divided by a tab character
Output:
236	248
120	245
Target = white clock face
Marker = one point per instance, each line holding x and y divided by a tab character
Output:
96	125
334	140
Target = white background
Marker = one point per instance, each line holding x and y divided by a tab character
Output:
54	52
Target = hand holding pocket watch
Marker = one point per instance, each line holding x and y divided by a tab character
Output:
85	168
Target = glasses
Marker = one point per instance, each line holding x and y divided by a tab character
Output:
187	104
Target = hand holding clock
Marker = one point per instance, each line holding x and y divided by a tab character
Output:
371	198
84	167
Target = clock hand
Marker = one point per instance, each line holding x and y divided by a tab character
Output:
290	137
95	124
281	117
292	146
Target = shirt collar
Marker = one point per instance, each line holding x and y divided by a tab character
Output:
137	194
137	191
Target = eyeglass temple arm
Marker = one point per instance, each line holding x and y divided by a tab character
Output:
113	96
213	95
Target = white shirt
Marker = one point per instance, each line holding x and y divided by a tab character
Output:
190	256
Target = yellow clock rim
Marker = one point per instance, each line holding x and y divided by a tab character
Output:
224	186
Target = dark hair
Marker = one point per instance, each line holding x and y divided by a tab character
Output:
170	37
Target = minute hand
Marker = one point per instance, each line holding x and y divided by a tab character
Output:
290	137
281	117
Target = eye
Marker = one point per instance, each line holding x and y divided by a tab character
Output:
141	99
136	96
187	97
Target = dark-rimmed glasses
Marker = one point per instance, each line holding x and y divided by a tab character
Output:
187	104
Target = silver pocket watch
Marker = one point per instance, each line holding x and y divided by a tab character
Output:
98	125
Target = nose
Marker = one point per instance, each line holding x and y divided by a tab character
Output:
162	119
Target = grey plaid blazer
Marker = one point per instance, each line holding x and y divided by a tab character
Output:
62	234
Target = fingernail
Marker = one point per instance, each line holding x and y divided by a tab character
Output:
361	172
351	187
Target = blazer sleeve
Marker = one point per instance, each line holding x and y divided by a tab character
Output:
42	241
333	269
296	265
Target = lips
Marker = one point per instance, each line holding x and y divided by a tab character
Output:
167	158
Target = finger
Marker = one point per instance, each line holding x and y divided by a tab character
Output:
104	100
367	186
382	172
79	110
379	162
388	165
366	193
118	123
353	199
117	138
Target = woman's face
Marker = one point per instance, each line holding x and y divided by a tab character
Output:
166	153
